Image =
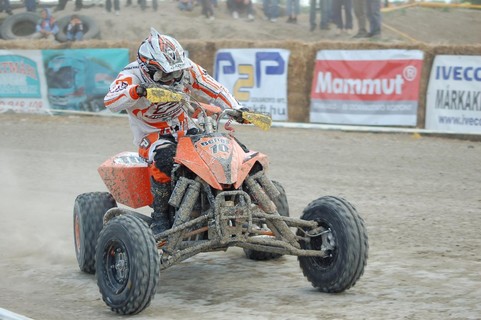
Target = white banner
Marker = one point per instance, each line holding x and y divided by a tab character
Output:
23	87
453	101
366	87
256	77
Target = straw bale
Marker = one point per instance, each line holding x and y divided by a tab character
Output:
301	60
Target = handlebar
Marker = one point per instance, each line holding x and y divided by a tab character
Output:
208	116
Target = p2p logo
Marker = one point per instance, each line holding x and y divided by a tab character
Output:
251	69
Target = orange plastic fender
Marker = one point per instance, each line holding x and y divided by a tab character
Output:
127	178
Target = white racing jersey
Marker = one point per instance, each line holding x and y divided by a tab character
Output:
165	117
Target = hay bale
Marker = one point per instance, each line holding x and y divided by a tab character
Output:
301	61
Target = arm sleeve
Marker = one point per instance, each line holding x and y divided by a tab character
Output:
208	88
122	93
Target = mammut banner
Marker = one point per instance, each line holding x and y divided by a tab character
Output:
256	77
453	101
366	87
42	81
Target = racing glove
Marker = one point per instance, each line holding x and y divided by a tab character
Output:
141	89
239	117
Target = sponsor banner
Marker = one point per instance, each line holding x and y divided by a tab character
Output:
453	101
22	82
79	79
49	80
256	77
366	87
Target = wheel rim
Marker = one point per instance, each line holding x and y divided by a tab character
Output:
77	233
326	242
117	266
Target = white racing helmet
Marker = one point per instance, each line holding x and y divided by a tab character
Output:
162	59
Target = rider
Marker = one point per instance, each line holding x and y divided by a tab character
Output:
156	126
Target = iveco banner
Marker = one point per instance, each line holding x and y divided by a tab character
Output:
453	102
256	77
366	87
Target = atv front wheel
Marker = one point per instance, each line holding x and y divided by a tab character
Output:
128	264
283	209
344	240
88	213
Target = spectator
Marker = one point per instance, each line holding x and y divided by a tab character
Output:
75	29
374	16
5	5
185	5
360	13
46	27
292	10
325	6
108	6
343	22
31	5
271	9
236	6
207	9
78	5
60	5
143	4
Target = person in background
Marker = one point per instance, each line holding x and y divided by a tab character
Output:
271	9
343	22
374	16
46	27
143	4
360	13
292	10
75	29
108	6
5	5
156	126
207	9
185	5
236	6
326	14
60	5
78	5
31	5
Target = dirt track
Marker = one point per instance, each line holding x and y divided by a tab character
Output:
420	198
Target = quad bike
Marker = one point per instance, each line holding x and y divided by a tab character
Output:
221	198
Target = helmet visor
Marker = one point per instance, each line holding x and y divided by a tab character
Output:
161	76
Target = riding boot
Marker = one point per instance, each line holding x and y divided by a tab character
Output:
160	216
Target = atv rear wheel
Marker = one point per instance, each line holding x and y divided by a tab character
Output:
88	213
128	264
283	209
344	240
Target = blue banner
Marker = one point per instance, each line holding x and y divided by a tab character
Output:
49	80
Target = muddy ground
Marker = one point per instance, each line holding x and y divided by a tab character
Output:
420	198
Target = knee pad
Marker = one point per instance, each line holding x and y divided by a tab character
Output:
164	157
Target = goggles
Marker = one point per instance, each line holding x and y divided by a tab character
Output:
158	75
